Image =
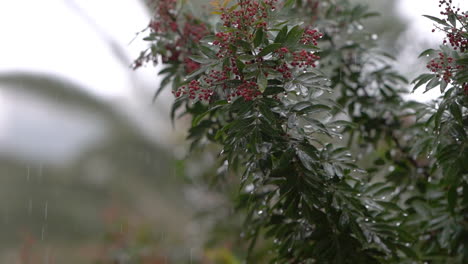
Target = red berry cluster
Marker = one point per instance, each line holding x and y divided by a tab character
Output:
179	44
248	90
304	58
190	65
164	17
455	36
444	67
284	70
194	90
224	40
301	59
193	30
310	37
250	14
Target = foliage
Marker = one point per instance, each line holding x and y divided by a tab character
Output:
280	85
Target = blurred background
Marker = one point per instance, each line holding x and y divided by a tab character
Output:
91	169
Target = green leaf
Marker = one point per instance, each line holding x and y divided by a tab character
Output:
452	198
443	85
437	20
289	3
176	105
427	52
199	117
208	52
462	77
433	83
293	36
244	44
452	19
258	39
262	82
269	49
306	159
422	79
271	90
196	73
282	34
240	65
163	84
462	61
456	112
200	59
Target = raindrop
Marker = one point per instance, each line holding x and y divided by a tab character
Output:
276	241
333	129
405	214
359	27
398	224
359	195
367	206
374	36
289	249
391	168
249	188
260	212
383	197
340	137
367	219
407	244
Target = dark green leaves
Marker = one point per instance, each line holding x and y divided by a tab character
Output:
259	36
422	79
293	37
282	34
427	52
437	20
269	49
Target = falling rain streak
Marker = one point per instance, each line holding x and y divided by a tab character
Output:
46	206
30	206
